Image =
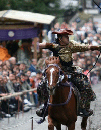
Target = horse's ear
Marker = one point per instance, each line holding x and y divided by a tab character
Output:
46	61
58	61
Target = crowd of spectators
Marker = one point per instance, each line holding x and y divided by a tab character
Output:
17	76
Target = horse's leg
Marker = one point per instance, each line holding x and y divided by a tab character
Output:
58	126
71	126
50	123
84	123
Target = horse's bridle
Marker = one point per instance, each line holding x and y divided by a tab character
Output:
61	76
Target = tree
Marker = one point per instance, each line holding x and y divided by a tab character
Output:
3	4
37	6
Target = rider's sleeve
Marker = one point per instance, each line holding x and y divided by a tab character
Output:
77	47
51	46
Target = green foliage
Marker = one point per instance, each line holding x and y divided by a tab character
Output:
51	7
3	4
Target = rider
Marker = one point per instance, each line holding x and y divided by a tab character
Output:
63	48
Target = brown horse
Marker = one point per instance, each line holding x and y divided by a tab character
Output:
62	102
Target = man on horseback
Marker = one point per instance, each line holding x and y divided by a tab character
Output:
63	48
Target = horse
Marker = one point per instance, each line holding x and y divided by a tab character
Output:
62	104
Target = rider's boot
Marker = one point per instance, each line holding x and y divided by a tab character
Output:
85	112
84	109
87	95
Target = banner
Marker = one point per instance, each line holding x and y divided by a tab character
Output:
17	34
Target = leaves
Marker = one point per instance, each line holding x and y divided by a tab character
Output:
36	6
3	4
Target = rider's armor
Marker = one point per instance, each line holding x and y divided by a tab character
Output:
77	78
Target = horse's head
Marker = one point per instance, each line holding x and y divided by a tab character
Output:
53	74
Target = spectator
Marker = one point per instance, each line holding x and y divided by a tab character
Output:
27	78
5	73
12	60
19	84
7	62
28	73
0	70
44	36
10	83
4	67
94	42
32	68
22	68
24	52
33	82
17	72
4	104
50	36
5	79
1	62
25	86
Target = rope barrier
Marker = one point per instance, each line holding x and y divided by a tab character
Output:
16	94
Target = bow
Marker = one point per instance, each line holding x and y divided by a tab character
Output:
96	4
100	50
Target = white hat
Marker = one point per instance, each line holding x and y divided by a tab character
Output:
33	74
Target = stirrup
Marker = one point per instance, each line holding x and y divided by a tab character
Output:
85	113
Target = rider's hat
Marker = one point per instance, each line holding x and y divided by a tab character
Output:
63	31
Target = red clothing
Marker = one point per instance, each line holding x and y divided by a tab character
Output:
4	54
33	84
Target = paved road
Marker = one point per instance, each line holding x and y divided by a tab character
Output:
23	121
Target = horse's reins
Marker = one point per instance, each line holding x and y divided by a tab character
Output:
68	99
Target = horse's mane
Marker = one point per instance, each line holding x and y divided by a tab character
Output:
53	60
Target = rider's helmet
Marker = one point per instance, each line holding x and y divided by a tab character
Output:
60	33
